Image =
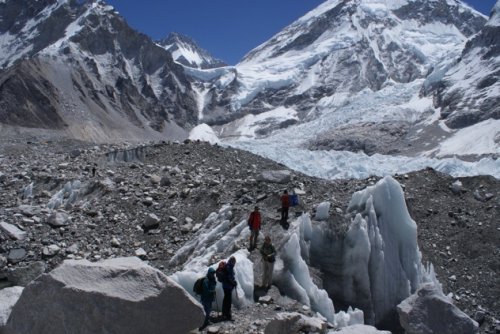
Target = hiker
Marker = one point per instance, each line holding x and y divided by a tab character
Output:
268	257
285	205
254	222
93	171
208	295
228	284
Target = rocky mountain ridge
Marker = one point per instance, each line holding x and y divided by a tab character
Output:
469	91
186	51
95	79
92	78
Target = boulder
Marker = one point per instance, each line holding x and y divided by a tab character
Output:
275	176
428	311
8	298
121	295
286	323
16	255
59	219
29	210
23	275
13	231
151	221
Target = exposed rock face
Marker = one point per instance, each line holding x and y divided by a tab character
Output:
8	298
470	91
121	295
429	311
90	76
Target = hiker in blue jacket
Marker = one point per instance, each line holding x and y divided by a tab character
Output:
228	284
208	295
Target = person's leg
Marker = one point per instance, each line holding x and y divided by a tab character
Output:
255	236
265	272
270	269
226	303
207	307
286	213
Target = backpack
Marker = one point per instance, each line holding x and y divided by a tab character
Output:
294	200
220	272
198	286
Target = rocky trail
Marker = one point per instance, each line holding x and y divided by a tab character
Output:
149	201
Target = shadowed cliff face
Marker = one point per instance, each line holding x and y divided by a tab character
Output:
89	75
27	99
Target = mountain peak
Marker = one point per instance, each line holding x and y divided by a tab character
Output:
186	51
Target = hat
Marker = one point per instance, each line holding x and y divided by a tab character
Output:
211	271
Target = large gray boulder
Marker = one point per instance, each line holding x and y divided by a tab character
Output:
122	295
23	275
13	231
8	298
428	311
275	176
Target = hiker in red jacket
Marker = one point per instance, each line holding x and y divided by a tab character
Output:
254	224
285	205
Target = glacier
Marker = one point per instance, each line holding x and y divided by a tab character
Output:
367	267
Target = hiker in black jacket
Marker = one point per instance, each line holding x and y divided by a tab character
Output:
228	284
208	295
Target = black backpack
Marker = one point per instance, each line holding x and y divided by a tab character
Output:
198	286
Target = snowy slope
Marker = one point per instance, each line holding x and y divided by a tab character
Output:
187	52
351	77
470	90
344	47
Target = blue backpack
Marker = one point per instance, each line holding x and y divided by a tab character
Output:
294	200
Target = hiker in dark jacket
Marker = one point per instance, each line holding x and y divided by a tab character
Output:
268	257
208	295
285	205
228	284
254	222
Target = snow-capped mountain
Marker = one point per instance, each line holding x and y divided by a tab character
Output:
470	91
78	68
343	47
187	52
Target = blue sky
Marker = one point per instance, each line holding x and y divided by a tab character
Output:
228	29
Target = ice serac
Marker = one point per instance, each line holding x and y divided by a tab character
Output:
374	263
428	311
122	295
382	262
469	92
